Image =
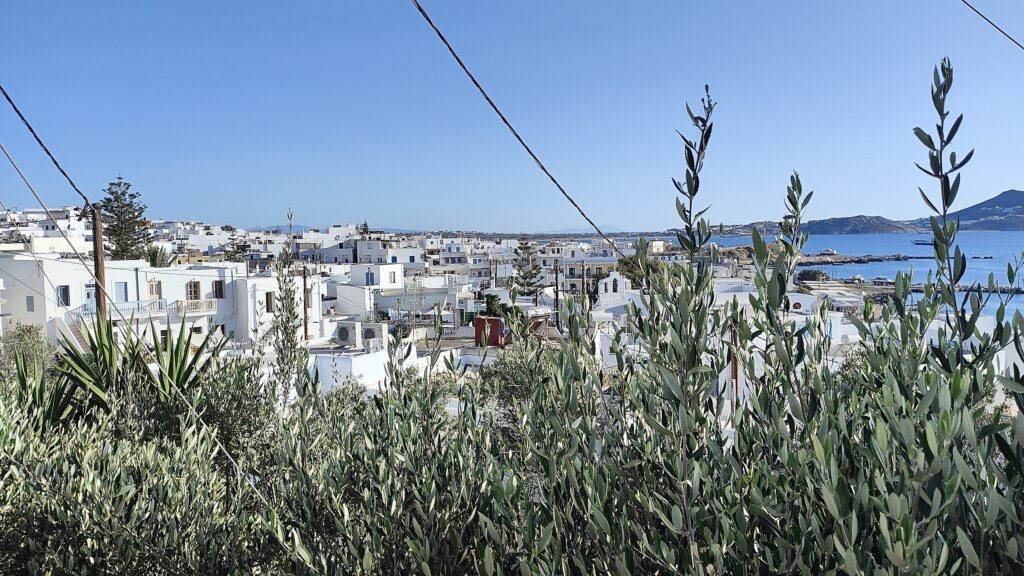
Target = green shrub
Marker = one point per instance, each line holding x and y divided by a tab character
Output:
891	464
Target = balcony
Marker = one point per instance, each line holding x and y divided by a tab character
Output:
115	310
195	307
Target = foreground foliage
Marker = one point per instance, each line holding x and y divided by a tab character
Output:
546	465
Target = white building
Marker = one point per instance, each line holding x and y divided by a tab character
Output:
60	294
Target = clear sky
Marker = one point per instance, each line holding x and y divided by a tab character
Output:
345	111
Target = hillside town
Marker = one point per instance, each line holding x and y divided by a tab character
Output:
515	323
359	286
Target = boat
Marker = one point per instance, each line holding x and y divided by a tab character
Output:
922	242
828	252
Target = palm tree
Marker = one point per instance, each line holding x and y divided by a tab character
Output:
158	256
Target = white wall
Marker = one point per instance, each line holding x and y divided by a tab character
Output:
353	300
369	368
384	276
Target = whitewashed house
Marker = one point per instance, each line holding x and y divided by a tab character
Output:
60	294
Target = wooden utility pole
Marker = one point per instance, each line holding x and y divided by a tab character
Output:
558	315
586	290
305	305
98	265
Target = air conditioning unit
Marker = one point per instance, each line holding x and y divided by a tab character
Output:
373	344
350	334
376	330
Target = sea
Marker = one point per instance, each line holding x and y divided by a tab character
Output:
988	252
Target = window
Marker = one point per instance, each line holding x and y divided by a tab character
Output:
391	277
192	290
197	329
120	291
269	300
63	295
572	272
218	288
412	259
394	259
164	334
156	290
599	270
605	287
615	285
30	303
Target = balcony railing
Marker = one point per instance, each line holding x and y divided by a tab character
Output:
126	309
189	307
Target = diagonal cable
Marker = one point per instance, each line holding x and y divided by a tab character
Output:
511	129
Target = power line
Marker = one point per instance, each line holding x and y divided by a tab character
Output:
29	286
186	272
28	245
511	129
993	24
41	145
130	327
49	214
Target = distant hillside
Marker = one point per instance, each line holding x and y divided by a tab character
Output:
282	228
582	230
846	225
765	227
1004	212
859	225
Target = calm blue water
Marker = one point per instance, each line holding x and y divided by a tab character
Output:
1003	247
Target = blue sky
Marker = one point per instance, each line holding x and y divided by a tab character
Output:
345	111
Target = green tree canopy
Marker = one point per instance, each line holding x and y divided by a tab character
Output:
158	256
124	221
629	267
527	280
811	275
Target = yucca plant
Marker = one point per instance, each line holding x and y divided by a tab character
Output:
105	367
179	363
892	464
51	402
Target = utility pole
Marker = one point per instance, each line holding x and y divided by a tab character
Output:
558	315
305	305
98	265
586	290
